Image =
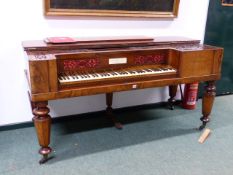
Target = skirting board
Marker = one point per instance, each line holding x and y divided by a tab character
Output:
85	115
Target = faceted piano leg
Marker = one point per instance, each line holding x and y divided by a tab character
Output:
42	122
172	94
207	103
109	97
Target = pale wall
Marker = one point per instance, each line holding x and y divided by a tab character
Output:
24	20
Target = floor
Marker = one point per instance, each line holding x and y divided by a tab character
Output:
154	141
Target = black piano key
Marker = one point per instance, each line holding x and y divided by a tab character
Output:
61	78
148	70
72	74
66	76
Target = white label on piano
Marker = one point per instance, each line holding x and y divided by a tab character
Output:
134	86
117	60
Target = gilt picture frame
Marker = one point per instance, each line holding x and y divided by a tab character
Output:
112	8
227	2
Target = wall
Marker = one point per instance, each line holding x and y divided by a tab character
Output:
24	20
219	29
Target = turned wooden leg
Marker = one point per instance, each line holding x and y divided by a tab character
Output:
207	103
109	97
42	122
172	94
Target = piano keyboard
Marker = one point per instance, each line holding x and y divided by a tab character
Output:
89	76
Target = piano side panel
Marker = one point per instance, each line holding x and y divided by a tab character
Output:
196	63
39	78
218	56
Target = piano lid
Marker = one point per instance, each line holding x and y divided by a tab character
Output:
105	42
96	40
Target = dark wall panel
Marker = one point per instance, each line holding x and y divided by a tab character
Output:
219	32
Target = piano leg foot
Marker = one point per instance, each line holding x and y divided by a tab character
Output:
202	126
45	153
44	159
204	122
171	104
114	120
109	113
118	125
172	94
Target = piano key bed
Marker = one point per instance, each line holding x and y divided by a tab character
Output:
72	77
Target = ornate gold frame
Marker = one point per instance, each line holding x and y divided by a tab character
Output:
226	4
48	11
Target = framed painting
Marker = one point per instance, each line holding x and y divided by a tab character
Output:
227	2
122	8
